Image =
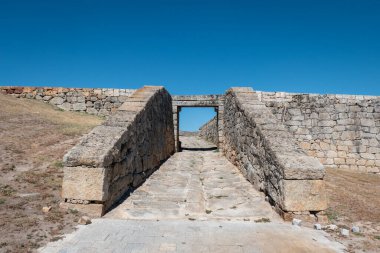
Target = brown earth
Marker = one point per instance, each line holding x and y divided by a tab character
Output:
354	199
34	136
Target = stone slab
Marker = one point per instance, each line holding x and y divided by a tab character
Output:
85	183
303	195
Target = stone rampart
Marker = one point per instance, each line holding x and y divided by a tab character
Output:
119	155
342	131
266	153
209	131
100	102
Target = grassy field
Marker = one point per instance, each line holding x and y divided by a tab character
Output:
34	136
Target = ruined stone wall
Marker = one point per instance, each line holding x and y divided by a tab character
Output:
119	155
100	102
342	131
209	131
267	155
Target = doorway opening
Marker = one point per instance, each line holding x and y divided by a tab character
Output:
194	123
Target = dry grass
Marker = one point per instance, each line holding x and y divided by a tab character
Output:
354	196
354	199
69	123
34	137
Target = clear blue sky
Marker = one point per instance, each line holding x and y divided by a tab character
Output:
193	47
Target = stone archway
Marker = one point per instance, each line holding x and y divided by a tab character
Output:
215	101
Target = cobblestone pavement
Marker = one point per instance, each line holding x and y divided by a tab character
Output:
196	202
195	185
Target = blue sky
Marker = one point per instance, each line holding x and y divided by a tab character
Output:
193	47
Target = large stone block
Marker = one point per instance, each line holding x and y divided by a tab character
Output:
96	149
85	183
301	167
303	195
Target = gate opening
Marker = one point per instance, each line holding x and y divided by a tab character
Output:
190	123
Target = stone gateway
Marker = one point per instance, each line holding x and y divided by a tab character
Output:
280	142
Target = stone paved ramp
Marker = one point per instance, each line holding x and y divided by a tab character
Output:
196	202
195	185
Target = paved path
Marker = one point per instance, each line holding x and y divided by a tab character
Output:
195	185
196	202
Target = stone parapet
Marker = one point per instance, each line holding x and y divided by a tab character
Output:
116	157
342	131
209	131
100	102
269	157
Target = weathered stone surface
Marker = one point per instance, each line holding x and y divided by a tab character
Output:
84	220
96	149
301	195
74	99
56	101
119	155
79	107
330	123
85	183
268	155
344	232
301	167
46	209
209	131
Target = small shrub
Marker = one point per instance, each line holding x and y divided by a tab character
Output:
208	211
331	214
58	164
73	211
263	220
7	190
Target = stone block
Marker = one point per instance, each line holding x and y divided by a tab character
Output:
56	101
96	149
79	106
301	167
367	122
85	183
303	195
339	161
65	106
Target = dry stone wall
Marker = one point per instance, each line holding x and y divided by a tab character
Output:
266	153
342	131
209	131
100	102
119	155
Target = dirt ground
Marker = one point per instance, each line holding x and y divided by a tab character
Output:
354	199
34	136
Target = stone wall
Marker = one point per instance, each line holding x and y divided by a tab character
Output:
119	155
100	102
267	155
342	131
209	131
215	101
